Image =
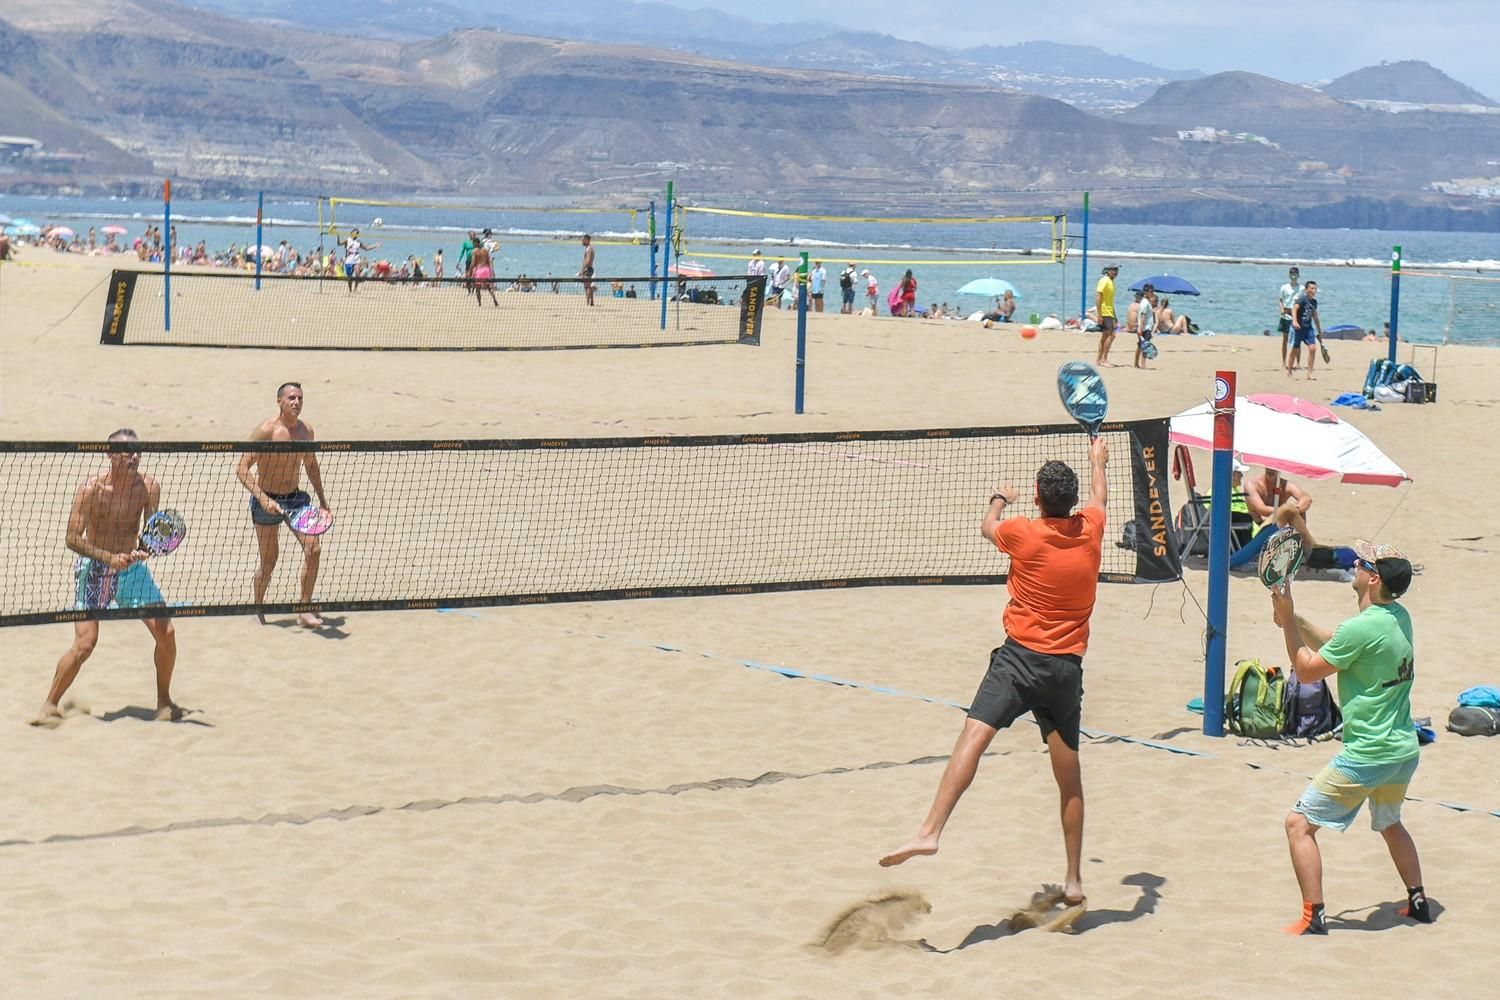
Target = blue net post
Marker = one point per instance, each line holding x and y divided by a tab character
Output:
260	208
1218	556
1390	351
1083	291
801	330
666	258
166	260
651	239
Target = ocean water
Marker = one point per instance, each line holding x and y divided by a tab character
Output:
1237	270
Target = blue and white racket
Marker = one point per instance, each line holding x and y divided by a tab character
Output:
1081	389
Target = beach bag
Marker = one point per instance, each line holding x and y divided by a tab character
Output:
1309	708
1474	720
1381	372
1255	705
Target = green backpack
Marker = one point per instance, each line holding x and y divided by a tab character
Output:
1254	705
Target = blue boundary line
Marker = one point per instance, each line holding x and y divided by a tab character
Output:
792	673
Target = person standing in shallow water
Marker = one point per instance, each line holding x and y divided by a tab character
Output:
1054	576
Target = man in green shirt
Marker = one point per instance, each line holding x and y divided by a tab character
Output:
1372	655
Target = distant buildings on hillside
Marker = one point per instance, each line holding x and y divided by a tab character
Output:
1207	133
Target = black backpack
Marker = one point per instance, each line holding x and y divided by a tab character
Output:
846	280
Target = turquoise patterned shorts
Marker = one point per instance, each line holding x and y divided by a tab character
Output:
96	586
1335	796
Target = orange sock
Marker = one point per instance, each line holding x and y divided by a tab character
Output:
1311	921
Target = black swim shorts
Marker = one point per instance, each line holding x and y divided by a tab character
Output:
288	502
1021	680
1106	324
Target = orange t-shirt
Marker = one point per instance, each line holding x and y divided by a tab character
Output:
1054	576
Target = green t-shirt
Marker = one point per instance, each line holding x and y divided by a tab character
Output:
1376	665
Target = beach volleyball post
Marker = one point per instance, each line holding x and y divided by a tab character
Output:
801	329
1083	292
651	239
260	238
666	258
1390	352
1218	555
166	260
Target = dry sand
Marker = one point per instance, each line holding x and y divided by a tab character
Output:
618	800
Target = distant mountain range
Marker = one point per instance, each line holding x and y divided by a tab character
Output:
129	90
1082	75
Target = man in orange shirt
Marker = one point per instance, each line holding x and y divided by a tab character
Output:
1054	573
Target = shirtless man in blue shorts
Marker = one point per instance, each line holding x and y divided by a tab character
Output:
274	484
104	526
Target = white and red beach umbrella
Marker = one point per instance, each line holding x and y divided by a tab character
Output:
1293	436
690	269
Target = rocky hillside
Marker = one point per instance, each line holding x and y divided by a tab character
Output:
1409	82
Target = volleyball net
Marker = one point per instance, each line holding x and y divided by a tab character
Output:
429	524
519	235
405	312
1445	307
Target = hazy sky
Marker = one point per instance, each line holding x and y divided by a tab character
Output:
1299	42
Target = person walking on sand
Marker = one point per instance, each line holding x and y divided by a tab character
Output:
1285	299
1054	575
1372	654
1307	329
104	524
1145	324
1104	309
586	271
273	479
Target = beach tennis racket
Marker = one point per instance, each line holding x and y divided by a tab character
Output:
1324	349
1281	558
1149	350
162	533
308	520
1081	390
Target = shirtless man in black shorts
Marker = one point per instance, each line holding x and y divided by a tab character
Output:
273	481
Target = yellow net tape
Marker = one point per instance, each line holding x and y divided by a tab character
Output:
824	254
903	220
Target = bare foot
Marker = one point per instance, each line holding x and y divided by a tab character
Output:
916	847
309	621
48	718
170	712
260	618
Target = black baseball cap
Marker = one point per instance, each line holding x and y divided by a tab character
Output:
1112	267
1391	565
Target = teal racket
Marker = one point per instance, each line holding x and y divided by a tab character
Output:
1081	390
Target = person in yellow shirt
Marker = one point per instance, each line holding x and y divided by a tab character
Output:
1104	306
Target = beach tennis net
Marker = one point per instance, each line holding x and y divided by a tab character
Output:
426	524
453	314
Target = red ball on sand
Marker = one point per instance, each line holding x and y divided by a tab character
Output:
1028	332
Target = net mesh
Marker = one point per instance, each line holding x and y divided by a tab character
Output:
454	523
286	311
1438	307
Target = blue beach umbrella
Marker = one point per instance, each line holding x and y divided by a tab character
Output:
989	287
1166	284
28	229
1344	328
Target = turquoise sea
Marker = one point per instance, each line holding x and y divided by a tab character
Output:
1237	270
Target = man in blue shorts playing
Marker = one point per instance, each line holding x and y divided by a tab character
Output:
104	526
1372	655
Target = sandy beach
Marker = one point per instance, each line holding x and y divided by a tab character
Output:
624	800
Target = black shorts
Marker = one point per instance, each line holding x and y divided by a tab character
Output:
1021	680
1106	324
288	502
1284	325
